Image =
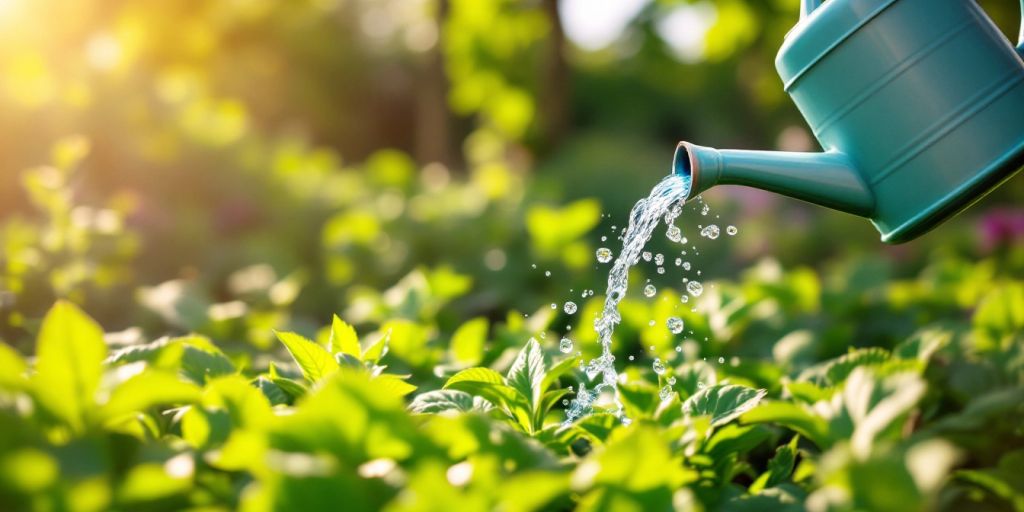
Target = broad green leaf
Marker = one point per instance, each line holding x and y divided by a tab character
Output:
793	416
527	372
275	395
875	406
394	384
245	405
201	360
377	350
636	459
467	344
489	385
12	368
478	374
834	372
735	440
557	370
547	402
314	361
147	389
723	402
779	468
69	363
344	338
441	400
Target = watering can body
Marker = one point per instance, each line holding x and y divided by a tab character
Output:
917	104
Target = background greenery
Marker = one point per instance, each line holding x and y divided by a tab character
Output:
212	182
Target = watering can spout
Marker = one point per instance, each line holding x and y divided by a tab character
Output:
828	179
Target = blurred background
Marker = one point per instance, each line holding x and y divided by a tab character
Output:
229	167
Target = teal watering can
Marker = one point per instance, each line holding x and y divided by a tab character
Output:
918	105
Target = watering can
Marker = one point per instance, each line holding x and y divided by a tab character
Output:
917	104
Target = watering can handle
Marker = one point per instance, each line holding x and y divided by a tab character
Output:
808	6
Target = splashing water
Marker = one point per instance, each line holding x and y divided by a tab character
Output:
663	203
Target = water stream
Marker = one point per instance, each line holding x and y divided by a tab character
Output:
665	202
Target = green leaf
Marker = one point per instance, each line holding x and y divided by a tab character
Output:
344	338
12	368
314	361
394	384
735	440
835	371
202	360
478	374
69	363
560	368
441	400
275	395
779	468
527	373
467	344
793	416
489	385
146	390
377	350
723	402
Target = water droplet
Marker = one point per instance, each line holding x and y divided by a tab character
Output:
675	324
700	385
565	401
659	259
679	262
651	323
684	298
565	346
686	265
679	348
695	288
659	367
570	307
721	360
650	290
604	239
631	358
554	306
710	231
674	234
704	209
646	255
731	230
665	393
604	255
533	266
547	273
672	380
